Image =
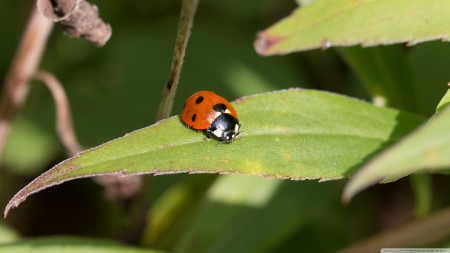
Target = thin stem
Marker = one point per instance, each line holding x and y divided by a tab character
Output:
26	60
188	8
139	204
64	124
422	186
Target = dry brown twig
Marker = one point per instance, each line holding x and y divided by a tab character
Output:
116	188
26	60
64	124
78	18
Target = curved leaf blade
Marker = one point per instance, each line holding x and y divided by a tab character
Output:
428	148
445	101
296	134
323	24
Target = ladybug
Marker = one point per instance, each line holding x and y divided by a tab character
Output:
205	110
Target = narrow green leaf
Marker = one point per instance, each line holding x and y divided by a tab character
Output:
325	23
62	244
422	188
297	134
428	148
444	102
168	214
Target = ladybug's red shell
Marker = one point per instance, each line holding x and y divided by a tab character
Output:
198	112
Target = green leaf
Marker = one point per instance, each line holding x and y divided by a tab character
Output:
422	189
387	74
173	209
428	148
62	244
297	134
432	80
251	214
444	102
325	23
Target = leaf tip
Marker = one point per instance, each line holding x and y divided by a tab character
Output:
347	196
356	185
12	203
264	41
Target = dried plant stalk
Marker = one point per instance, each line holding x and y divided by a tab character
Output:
64	124
27	58
78	18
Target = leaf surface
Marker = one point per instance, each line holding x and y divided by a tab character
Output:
324	23
428	148
296	134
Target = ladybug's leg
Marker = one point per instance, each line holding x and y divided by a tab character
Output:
208	134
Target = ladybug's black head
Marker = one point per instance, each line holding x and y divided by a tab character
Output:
225	127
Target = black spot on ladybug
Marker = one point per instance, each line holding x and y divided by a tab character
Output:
199	100
219	107
194	117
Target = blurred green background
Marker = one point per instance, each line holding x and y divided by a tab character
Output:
116	89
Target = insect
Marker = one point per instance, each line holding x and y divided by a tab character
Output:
205	110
